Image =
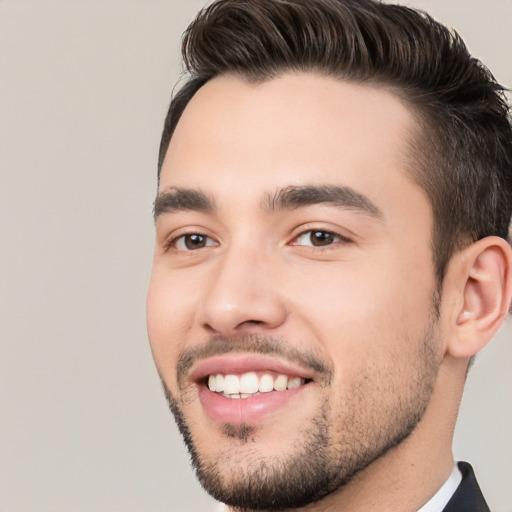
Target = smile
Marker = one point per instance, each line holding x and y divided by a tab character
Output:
251	384
246	388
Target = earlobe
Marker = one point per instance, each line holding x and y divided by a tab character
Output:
485	282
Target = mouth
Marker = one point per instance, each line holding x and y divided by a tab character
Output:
245	389
251	384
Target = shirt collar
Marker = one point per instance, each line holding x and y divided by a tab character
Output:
444	494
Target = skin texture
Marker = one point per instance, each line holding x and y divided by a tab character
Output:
361	315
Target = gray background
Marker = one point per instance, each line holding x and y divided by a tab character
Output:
83	424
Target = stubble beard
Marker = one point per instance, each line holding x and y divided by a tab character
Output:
329	451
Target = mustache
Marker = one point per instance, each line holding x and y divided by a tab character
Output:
253	344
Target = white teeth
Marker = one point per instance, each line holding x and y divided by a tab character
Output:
280	382
231	385
219	383
212	383
248	384
266	383
294	382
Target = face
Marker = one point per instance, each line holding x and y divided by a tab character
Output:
290	309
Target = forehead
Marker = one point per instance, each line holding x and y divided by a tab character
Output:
237	136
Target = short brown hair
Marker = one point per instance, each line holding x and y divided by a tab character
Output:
462	157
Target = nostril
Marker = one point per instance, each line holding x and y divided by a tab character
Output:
247	324
210	329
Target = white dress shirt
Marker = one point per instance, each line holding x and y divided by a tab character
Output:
444	494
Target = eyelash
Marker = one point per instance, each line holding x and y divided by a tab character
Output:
338	238
173	242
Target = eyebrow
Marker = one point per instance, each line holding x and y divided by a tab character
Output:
293	197
181	199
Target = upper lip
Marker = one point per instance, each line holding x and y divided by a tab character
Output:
237	364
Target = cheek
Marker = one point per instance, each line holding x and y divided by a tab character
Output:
366	312
167	323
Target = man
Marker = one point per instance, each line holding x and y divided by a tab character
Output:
335	192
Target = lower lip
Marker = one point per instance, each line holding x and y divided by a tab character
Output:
245	410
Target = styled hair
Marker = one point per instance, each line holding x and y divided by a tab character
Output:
461	154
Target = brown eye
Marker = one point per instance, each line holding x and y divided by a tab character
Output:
193	241
320	238
317	238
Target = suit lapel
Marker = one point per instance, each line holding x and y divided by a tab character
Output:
468	496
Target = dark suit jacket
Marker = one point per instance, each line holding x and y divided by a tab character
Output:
468	496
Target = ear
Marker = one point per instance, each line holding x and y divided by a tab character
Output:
482	275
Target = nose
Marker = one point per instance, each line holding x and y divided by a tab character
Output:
243	295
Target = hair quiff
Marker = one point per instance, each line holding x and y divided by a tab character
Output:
462	156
